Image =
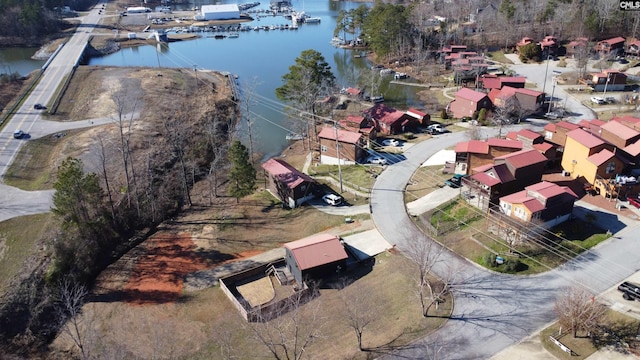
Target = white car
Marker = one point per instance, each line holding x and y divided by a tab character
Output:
332	199
436	129
375	159
390	142
598	100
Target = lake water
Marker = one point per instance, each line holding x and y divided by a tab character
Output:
260	58
18	60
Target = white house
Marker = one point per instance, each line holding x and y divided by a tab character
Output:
219	12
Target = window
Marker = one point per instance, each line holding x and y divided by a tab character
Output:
323	148
548	135
611	167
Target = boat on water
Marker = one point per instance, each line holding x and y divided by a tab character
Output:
377	99
219	36
336	41
312	20
233	35
294	137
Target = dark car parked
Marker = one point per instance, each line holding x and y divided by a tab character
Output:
630	291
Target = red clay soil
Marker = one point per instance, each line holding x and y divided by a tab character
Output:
158	274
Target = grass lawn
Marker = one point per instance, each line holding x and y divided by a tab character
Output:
33	167
359	177
19	238
615	323
498	56
424	181
474	242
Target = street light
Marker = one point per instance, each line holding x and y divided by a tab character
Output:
554	80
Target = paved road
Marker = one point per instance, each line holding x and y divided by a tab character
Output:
492	311
15	202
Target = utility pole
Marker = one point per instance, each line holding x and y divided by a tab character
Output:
554	80
335	126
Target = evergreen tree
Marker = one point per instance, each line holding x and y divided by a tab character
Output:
243	175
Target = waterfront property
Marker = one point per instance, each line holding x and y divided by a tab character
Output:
288	184
339	146
315	257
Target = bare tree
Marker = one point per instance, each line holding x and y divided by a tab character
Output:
70	299
287	330
424	254
358	309
578	310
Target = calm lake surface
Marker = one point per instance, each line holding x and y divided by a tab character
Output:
259	59
18	60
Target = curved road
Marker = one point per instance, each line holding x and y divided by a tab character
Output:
492	311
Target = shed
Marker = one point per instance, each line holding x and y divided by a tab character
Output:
287	183
315	257
220	12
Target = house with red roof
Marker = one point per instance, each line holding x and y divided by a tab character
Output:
391	121
315	257
492	81
610	46
508	174
338	146
591	126
524	41
547	203
629	121
529	100
611	79
557	133
467	102
526	136
633	48
361	124
423	118
474	153
549	46
618	134
288	184
577	47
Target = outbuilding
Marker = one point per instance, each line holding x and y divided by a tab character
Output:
219	12
315	257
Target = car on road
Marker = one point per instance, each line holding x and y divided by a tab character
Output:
552	115
436	129
39	107
332	199
390	142
376	159
598	100
630	291
18	134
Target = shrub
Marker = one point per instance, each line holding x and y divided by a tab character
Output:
514	266
489	260
409	135
482	116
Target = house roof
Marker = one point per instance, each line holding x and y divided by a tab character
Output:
472	146
626	119
615	40
528	134
584	138
523	158
544	189
529	92
384	114
344	136
353	91
562	124
485	179
633	149
620	130
494	94
416	113
468	94
601	157
543	147
512	79
316	250
355	118
507	143
285	173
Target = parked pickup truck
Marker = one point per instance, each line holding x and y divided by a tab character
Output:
630	291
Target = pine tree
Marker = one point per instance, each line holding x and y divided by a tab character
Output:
243	175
